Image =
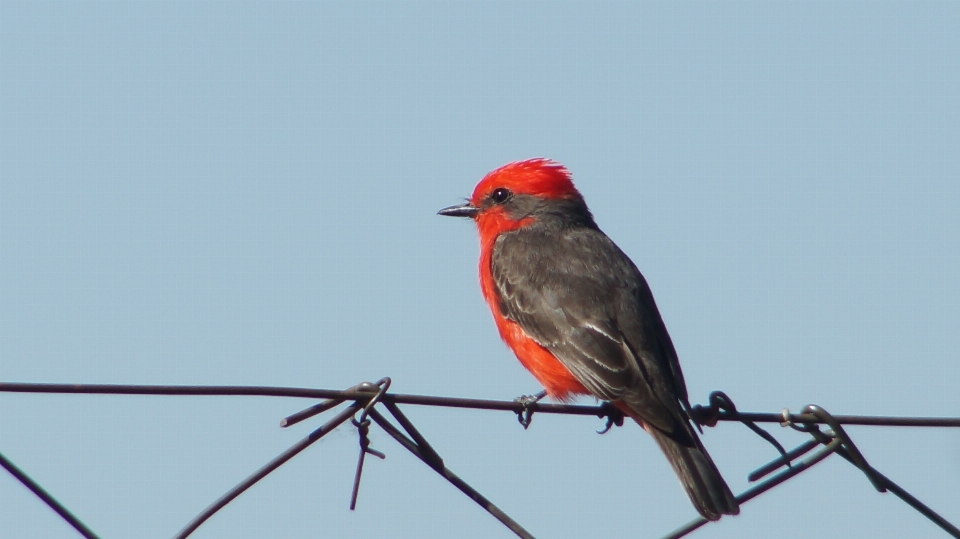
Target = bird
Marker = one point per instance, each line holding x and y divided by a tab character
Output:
580	316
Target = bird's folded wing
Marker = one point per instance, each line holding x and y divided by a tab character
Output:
574	316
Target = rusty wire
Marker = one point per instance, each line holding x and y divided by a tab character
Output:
364	399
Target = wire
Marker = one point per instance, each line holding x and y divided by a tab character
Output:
278	461
47	498
366	397
446	402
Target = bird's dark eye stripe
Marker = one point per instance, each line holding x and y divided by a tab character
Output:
500	195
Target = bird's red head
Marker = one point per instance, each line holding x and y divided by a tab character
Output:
508	197
538	177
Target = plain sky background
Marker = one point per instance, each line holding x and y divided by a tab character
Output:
246	193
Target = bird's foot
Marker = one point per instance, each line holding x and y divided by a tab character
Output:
525	414
613	414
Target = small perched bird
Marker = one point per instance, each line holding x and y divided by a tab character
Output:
579	315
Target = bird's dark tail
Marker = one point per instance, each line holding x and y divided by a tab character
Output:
698	474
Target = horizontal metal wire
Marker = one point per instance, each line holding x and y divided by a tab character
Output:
449	402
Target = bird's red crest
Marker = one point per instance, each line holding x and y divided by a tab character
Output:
539	177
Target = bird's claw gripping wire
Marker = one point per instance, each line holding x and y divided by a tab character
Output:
719	401
363	429
613	414
525	413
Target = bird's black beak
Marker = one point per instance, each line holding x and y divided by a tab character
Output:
463	210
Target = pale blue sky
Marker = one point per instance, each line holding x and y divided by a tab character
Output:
246	193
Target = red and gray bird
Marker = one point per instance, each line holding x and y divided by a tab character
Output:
579	315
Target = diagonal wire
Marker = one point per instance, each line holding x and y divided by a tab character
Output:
39	491
773	466
266	469
445	472
913	502
837	442
882	483
425	448
753	492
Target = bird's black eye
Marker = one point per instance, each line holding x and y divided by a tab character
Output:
500	195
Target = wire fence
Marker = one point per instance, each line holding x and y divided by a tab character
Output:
362	402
